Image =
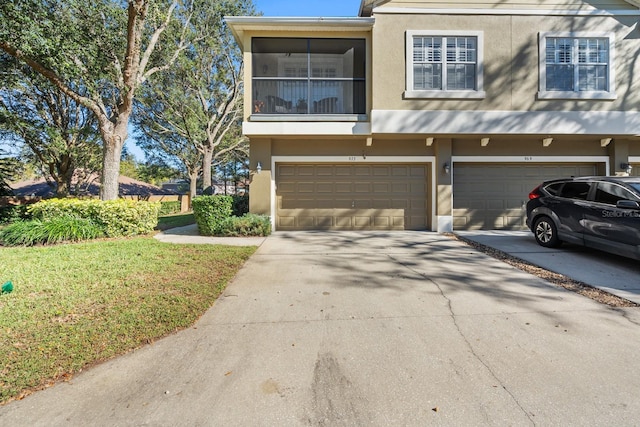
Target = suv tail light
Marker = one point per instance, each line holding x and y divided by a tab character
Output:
535	193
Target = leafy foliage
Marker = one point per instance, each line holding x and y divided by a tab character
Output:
116	217
211	212
55	230
60	135
191	114
98	53
240	205
214	218
8	170
13	213
167	208
247	225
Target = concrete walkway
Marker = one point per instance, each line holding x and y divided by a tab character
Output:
369	328
189	234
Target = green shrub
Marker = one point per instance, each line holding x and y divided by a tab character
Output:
240	205
210	212
56	230
116	217
13	213
247	225
168	208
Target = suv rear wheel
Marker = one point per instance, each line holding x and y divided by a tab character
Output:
546	233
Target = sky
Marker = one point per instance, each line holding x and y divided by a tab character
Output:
308	7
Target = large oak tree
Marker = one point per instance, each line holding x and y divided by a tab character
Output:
197	105
99	54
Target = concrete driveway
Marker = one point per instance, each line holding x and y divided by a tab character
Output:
399	328
612	273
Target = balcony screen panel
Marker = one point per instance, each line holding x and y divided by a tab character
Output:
308	76
337	58
274	57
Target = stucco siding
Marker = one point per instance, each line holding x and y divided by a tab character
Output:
511	71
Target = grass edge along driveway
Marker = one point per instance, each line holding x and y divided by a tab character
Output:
75	305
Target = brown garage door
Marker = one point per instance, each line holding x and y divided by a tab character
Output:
351	197
493	196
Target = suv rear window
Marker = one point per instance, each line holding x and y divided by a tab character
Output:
554	189
575	190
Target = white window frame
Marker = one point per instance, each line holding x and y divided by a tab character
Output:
478	93
543	93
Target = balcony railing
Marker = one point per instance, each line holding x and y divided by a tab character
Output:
308	96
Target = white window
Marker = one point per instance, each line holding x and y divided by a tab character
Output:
444	64
577	66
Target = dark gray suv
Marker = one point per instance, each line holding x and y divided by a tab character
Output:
598	212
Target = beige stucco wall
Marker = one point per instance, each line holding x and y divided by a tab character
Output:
510	61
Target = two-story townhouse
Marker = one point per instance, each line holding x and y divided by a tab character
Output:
422	114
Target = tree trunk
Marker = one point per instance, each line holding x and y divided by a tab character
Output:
207	159
112	151
193	181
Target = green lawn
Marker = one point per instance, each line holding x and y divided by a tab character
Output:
77	304
176	220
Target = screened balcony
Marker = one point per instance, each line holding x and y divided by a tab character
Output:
308	76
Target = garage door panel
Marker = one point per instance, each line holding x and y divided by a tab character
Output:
306	171
362	187
343	187
324	187
375	196
494	195
343	170
305	187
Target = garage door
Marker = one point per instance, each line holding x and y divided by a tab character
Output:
493	196
351	197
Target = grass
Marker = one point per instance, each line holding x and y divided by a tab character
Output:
77	304
178	220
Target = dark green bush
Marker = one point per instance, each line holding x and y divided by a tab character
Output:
210	212
116	217
240	205
55	230
247	225
13	213
168	208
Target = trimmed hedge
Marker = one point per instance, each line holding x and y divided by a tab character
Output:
214	216
116	217
240	205
168	208
247	225
210	212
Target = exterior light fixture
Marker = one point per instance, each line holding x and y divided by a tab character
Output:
626	167
259	167
484	142
369	141
547	142
429	141
447	168
605	141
